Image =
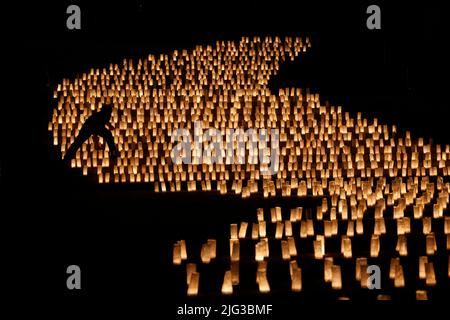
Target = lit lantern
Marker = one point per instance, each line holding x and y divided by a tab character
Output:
193	284
361	264
426	225
233	231
296	282
190	269
393	267
288	228
212	248
234	246
430	279
227	286
336	279
292	247
431	246
262	282
423	260
177	253
447	225
262	229
292	266
318	249
402	247
243	230
421	295
350	228
279	230
399	280
309	227
260	214
183	249
327	268
205	253
359	226
346	247
285	250
374	246
234	272
255	231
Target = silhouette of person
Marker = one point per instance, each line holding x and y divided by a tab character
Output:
97	125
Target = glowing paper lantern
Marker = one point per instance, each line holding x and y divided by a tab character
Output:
374	246
177	253
193	284
243	230
328	269
211	243
227	286
190	269
262	282
336	279
296	282
431	246
422	266
430	279
421	295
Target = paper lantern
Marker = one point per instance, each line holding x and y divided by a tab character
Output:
234	246
346	247
393	267
193	284
426	225
285	250
374	246
233	231
205	253
177	253
279	230
288	228
227	286
259	251
399	280
190	269
296	282
260	214
292	247
402	247
292	266
431	246
243	230
423	260
234	272
262	229
383	297
447	225
361	264
183	249
262	282
212	248
255	231
336	278
430	279
421	295
327	269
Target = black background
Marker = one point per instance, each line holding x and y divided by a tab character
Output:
121	236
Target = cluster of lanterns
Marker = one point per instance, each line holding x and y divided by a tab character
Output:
302	236
363	169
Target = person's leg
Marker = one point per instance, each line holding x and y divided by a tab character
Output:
107	135
83	135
